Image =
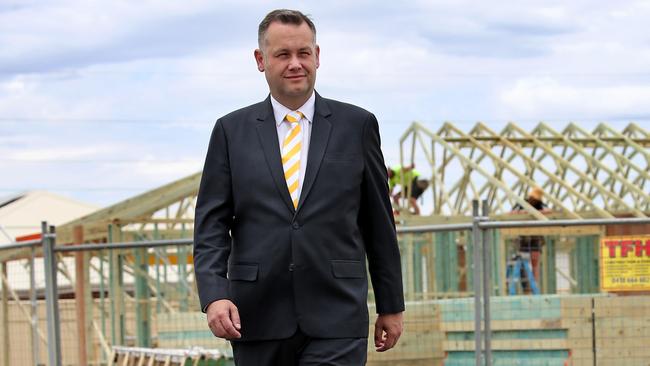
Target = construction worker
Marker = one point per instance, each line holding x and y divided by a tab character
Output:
531	246
398	175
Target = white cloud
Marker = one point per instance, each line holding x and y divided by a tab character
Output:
15	86
22	139
555	13
147	172
68	34
60	152
48	96
547	97
66	63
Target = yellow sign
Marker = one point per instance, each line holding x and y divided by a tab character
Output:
625	263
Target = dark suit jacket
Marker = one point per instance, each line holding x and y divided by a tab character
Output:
285	267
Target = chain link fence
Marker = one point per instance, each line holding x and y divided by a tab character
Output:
132	303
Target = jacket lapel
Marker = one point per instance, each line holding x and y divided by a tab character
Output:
320	134
268	135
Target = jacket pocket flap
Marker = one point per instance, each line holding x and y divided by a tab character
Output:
347	269
243	272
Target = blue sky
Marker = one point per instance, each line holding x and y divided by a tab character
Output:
100	101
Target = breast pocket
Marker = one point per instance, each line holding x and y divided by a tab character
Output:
340	175
342	157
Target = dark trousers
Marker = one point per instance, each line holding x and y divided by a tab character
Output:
301	350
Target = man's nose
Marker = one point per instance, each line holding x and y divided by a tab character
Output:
294	63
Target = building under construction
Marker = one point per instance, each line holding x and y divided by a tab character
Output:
602	173
147	296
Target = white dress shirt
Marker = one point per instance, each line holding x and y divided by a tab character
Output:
307	110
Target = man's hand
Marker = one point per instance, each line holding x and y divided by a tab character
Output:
223	319
388	329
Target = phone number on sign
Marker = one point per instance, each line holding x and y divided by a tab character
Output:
631	280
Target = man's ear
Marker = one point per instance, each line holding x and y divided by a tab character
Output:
259	59
317	56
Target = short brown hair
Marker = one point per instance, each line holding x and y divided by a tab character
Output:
284	16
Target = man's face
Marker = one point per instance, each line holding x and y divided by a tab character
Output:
289	59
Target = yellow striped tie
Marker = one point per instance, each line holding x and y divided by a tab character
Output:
291	155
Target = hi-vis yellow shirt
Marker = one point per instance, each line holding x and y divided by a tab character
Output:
397	176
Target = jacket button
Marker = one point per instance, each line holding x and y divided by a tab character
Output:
296	226
291	267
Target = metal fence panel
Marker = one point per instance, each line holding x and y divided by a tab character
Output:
118	300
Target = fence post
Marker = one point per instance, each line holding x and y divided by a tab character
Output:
142	312
181	251
116	286
51	296
487	285
476	238
34	303
4	315
80	289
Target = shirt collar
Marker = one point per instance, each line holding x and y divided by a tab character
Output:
307	109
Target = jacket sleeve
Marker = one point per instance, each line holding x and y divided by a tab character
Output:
378	225
212	221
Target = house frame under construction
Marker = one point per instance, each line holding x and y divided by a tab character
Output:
603	173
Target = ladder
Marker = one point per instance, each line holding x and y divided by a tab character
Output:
518	262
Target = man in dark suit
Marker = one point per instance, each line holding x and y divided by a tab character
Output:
292	201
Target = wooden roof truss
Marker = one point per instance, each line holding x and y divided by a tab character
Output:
602	173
